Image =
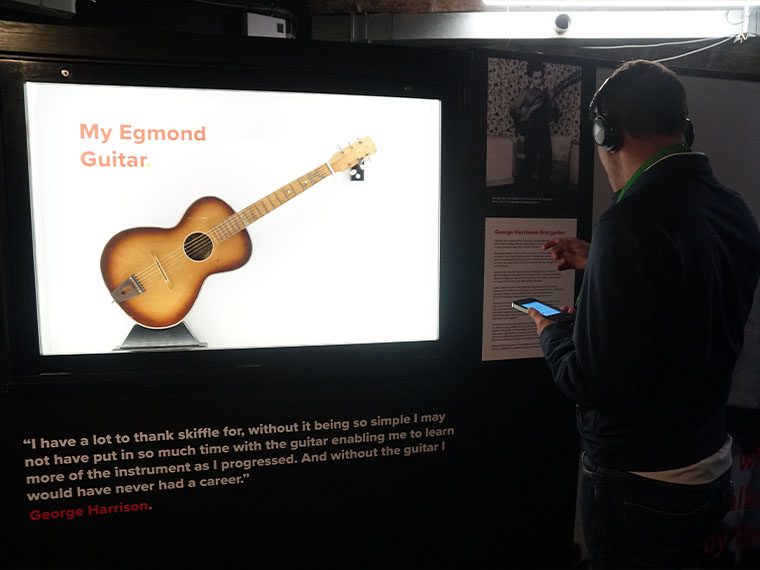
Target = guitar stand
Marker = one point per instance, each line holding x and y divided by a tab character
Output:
177	337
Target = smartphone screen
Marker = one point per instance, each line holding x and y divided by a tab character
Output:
545	310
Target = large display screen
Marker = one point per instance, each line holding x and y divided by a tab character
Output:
251	218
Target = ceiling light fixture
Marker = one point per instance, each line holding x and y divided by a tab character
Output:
642	19
602	24
622	4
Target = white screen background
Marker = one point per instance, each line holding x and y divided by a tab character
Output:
345	262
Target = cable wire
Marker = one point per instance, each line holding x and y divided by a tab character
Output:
724	40
679	42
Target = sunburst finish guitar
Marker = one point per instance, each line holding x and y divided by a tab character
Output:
156	274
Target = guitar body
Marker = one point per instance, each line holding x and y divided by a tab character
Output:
155	274
168	266
529	114
541	104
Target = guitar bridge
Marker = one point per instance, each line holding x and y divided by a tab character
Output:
129	288
161	269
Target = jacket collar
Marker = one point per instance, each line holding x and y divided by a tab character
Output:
668	162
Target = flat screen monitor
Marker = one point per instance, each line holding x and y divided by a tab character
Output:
172	212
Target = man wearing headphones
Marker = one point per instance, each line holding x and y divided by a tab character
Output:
668	284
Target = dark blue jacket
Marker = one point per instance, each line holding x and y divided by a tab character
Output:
666	292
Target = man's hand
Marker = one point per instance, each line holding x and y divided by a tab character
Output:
569	253
542	322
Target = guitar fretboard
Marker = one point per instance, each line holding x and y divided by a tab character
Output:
240	220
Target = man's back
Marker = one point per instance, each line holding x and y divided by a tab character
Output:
668	284
668	287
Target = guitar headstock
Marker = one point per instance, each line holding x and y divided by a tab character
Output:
351	155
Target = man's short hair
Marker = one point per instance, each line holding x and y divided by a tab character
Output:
534	66
643	98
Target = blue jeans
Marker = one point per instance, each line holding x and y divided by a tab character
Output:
635	522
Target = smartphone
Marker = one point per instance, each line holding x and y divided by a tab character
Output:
550	312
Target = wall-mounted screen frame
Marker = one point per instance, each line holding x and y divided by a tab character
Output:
105	158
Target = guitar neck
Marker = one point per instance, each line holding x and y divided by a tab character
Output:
245	217
565	83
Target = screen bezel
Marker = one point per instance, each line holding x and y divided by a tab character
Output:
22	327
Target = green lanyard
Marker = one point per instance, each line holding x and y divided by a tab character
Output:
671	149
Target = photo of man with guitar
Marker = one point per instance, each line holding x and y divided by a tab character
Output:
533	117
533	112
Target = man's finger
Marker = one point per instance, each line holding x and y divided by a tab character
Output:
549	244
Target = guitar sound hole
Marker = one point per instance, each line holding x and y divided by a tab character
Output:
198	246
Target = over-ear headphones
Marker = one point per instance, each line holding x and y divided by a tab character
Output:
603	126
688	132
605	131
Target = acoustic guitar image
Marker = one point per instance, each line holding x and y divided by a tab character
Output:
155	274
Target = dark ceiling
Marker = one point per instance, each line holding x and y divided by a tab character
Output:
226	17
